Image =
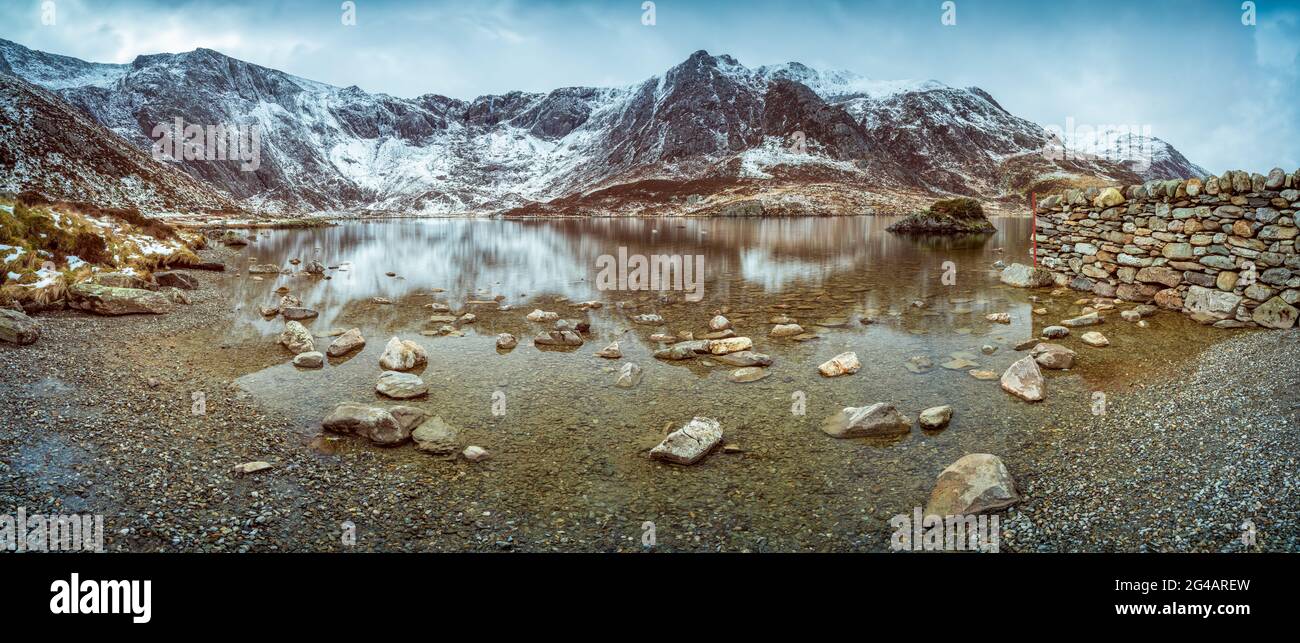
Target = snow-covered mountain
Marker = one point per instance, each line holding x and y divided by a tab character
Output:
707	133
54	151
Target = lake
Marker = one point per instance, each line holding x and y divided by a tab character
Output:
561	433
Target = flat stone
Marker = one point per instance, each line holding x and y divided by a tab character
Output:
842	364
435	437
730	345
745	358
785	330
1275	313
349	341
748	374
879	419
690	443
1094	338
401	386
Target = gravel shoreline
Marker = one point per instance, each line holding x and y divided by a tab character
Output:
99	420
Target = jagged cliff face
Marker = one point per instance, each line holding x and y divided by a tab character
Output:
708	122
50	148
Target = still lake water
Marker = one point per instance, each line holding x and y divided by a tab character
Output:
570	438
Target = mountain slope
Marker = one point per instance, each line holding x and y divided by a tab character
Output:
707	121
50	149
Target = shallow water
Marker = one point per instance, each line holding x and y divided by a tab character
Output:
568	435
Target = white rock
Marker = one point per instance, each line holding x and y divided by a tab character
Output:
1024	380
842	364
730	345
1094	338
252	467
785	330
402	355
296	338
689	443
401	386
476	453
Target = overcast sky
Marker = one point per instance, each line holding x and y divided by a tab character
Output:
1226	94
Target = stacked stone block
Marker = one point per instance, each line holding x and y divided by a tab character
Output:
1221	249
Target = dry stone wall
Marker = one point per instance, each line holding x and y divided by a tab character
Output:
1221	248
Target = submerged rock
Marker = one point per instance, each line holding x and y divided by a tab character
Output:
719	323
1054	356
975	484
1090	319
747	374
1094	338
629	376
745	358
879	419
558	338
648	319
539	315
436	437
296	313
690	443
1055	332
785	330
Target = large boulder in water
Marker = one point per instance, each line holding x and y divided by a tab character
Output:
879	419
372	422
948	216
107	300
403	355
297	338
